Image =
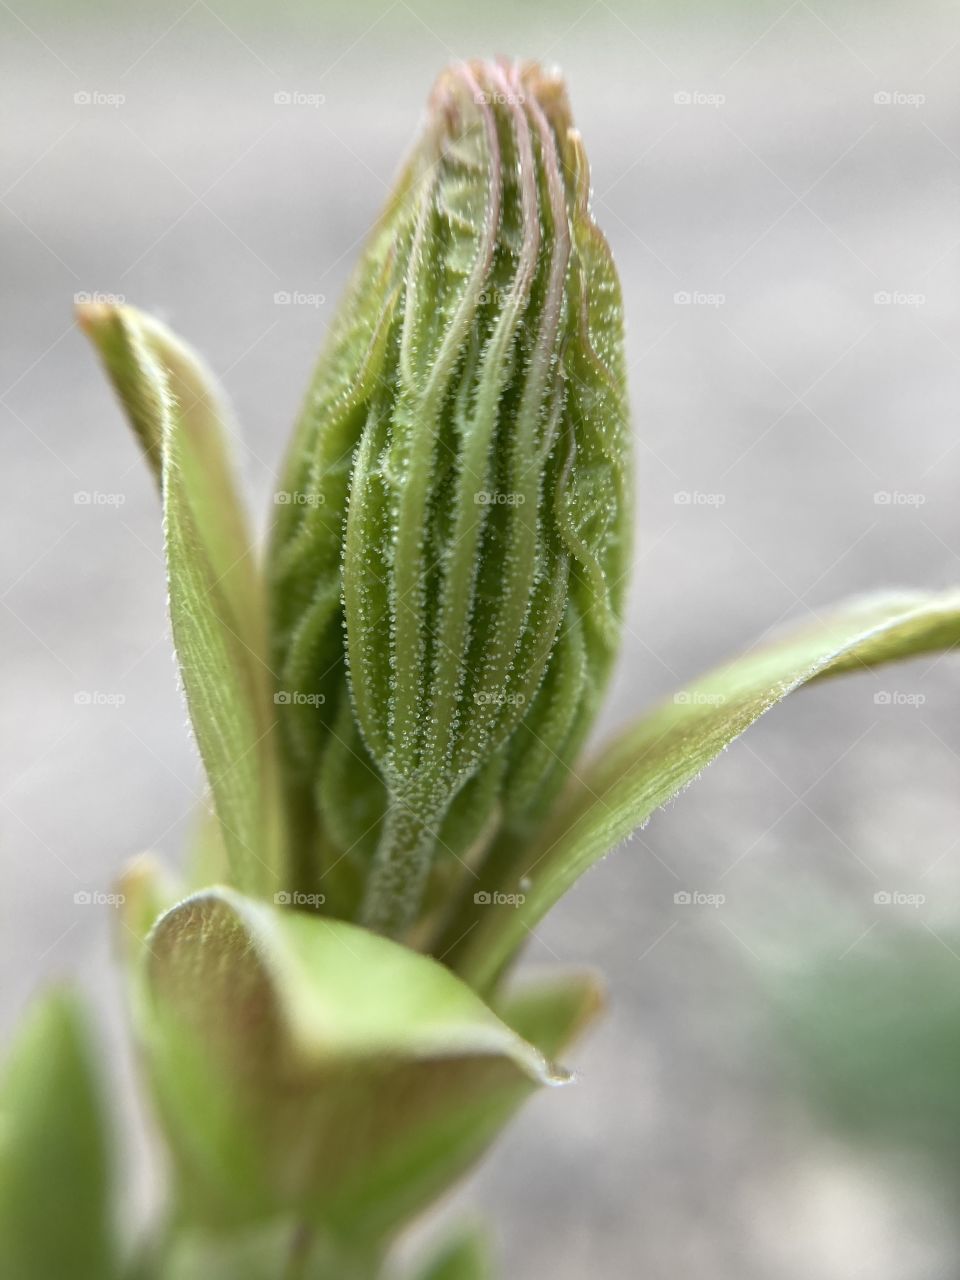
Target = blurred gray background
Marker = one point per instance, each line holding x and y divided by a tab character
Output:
796	427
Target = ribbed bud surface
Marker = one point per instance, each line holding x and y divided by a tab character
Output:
447	573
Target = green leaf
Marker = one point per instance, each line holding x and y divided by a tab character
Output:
552	1013
215	590
147	890
657	757
465	1257
549	1015
306	1065
873	1040
54	1159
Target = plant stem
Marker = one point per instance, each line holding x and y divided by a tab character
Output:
401	866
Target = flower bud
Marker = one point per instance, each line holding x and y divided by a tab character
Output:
448	567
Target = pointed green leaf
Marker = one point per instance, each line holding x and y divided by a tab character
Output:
548	1014
54	1160
553	1012
216	609
306	1065
661	754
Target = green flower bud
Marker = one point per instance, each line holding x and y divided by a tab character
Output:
448	560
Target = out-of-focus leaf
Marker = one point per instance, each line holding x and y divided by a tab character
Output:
552	1012
874	1039
215	588
466	1257
307	1065
267	1251
661	754
243	1256
147	889
207	861
55	1218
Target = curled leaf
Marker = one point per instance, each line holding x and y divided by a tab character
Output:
303	1064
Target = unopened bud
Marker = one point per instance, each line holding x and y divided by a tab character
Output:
451	580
